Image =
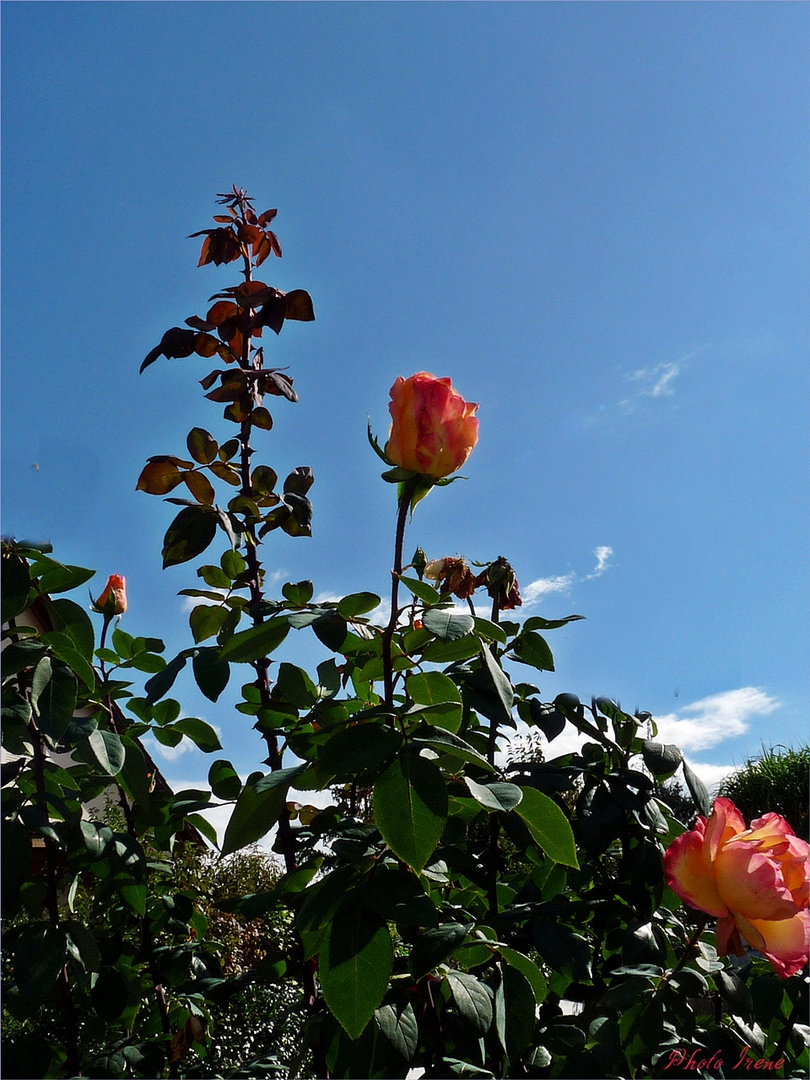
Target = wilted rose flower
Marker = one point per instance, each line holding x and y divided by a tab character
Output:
113	600
502	584
756	881
452	575
433	429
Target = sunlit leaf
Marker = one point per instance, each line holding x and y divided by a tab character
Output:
159	478
255	643
206	620
221	312
225	472
497	796
200	487
447	624
400	1027
108	750
548	826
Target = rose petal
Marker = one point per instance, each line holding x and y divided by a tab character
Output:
687	874
724	822
785	942
750	883
728	938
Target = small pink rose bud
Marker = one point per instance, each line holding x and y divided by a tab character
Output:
113	600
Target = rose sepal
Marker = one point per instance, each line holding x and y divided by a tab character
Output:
378	450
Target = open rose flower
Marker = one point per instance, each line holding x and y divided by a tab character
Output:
113	600
756	881
433	429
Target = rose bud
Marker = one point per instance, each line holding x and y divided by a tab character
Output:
433	429
113	600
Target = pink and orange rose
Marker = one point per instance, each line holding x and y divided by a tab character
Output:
756	881
433	429
113	600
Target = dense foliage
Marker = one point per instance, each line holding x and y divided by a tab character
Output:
777	779
441	907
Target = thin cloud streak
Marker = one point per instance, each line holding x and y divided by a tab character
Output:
534	592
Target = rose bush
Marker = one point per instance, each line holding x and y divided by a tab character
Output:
756	881
433	429
449	906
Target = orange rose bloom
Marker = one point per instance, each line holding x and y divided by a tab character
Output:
433	429
113	601
756	881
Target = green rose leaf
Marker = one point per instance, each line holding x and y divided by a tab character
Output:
259	806
357	604
210	672
410	808
256	643
200	733
189	535
354	965
432	688
697	790
548	826
107	750
400	1027
433	946
662	759
473	1000
206	620
499	796
446	624
359	747
421	590
16	583
531	648
224	780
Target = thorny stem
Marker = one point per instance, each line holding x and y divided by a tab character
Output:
388	633
494	819
147	941
691	948
69	1025
254	578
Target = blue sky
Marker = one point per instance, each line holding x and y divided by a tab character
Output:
593	217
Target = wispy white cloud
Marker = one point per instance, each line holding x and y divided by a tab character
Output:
714	719
711	775
700	726
603	556
534	592
656	381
